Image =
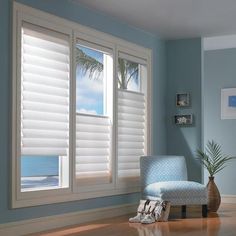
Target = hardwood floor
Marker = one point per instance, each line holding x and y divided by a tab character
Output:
223	223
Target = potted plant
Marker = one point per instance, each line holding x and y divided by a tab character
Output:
214	161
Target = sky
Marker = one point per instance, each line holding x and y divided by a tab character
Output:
89	91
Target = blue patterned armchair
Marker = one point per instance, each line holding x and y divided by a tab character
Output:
165	177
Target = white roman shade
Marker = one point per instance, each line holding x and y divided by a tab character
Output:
93	145
44	92
132	58
131	132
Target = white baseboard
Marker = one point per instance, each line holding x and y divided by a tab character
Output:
228	199
57	221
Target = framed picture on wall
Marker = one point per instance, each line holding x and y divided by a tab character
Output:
182	99
183	119
228	103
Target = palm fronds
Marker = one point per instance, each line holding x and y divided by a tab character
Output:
213	159
88	64
127	71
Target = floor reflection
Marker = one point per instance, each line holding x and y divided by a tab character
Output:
213	224
156	229
177	227
221	224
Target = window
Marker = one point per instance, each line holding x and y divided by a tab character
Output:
44	108
80	112
94	75
132	80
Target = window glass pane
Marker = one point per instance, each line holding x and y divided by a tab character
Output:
89	81
94	102
132	90
39	172
45	91
128	75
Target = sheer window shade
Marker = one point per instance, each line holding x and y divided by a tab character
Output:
131	132
44	92
135	59
93	145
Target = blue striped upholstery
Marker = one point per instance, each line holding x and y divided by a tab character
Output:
165	178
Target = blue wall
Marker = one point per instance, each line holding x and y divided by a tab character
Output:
87	17
219	73
184	75
159	93
5	105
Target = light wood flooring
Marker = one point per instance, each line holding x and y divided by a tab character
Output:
216	224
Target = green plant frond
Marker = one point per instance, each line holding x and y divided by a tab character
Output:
202	156
224	159
220	159
204	160
218	170
221	163
213	150
213	159
215	168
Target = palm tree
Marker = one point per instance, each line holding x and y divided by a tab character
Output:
88	64
127	70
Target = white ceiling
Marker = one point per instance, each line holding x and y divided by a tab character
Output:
172	18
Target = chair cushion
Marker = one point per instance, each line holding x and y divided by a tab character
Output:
177	192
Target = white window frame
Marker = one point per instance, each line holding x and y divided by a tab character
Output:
17	194
24	199
106	46
136	55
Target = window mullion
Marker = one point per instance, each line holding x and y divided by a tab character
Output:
73	114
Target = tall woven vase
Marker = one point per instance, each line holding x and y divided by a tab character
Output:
214	198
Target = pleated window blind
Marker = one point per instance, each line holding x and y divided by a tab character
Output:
44	92
94	129
131	132
93	145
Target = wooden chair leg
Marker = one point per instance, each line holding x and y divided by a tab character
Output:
183	211
204	210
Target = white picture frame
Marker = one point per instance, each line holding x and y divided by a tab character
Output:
228	103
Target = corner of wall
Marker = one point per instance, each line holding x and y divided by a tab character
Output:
184	76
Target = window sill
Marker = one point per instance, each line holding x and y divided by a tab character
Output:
30	200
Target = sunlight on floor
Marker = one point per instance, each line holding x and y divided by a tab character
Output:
73	230
221	223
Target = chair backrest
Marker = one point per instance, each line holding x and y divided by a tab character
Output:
162	168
